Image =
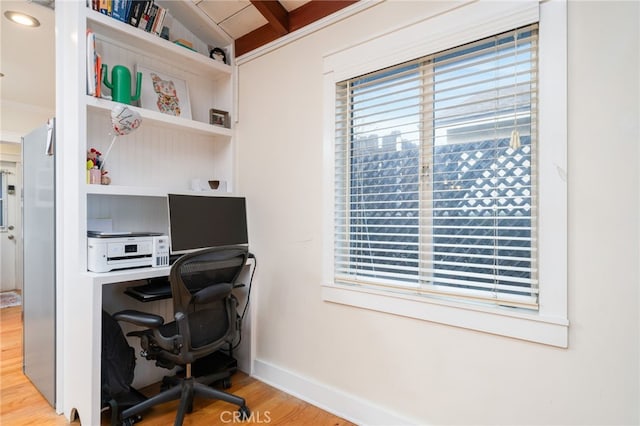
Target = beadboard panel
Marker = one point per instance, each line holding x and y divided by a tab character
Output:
157	156
135	214
206	91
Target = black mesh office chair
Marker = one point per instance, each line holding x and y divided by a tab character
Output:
206	321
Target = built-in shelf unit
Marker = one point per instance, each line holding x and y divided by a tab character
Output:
164	155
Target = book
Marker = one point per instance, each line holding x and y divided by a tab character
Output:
144	19
152	17
183	42
104	7
98	76
157	23
184	45
135	12
120	9
91	63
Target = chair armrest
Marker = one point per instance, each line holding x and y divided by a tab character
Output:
143	319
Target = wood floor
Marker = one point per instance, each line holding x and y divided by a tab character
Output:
22	404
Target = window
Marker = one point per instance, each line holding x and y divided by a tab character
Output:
446	194
435	174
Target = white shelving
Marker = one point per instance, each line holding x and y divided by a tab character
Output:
166	151
164	155
152	45
145	191
158	119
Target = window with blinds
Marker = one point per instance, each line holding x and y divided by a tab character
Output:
435	174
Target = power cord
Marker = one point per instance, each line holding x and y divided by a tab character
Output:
246	305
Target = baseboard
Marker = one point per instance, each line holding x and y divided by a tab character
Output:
342	404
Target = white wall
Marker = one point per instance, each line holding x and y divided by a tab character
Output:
10	151
425	372
17	120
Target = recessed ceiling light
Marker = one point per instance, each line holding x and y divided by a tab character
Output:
22	18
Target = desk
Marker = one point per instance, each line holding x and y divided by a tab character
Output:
84	324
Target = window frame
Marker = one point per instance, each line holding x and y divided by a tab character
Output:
549	325
385	191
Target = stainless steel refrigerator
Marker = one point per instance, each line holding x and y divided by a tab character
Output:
39	291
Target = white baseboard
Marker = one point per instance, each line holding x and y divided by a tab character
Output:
335	401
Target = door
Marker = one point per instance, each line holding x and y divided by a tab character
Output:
10	232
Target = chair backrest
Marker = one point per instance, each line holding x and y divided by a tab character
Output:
204	307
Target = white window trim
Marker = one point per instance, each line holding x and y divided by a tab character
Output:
472	22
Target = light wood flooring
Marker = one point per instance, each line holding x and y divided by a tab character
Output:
22	404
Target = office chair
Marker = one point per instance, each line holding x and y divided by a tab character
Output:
205	322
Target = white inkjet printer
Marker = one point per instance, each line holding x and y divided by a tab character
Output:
108	251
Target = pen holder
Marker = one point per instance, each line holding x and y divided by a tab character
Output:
95	176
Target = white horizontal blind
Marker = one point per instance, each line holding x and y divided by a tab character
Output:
435	174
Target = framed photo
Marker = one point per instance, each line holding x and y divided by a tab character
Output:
219	118
164	93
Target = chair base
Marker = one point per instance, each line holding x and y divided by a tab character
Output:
186	391
208	371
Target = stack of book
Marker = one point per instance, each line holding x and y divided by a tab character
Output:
143	14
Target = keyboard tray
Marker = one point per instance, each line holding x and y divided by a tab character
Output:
157	289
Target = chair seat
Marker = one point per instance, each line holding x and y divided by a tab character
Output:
203	332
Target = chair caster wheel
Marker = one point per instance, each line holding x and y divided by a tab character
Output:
129	421
167	383
244	413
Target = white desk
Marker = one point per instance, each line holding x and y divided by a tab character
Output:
82	341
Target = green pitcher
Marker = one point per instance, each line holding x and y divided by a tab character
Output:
121	84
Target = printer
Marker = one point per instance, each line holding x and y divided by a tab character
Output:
109	251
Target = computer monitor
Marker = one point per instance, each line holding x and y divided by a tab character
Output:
198	221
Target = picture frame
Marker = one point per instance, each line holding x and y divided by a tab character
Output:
219	118
164	93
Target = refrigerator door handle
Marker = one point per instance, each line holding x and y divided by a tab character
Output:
51	136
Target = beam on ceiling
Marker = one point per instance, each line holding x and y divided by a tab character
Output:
275	14
297	18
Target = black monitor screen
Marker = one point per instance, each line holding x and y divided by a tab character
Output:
197	222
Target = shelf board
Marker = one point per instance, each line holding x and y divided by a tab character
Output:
106	27
145	191
160	119
200	24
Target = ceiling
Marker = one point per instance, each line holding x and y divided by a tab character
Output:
253	23
239	17
27	60
27	55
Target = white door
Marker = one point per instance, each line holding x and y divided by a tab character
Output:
10	227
